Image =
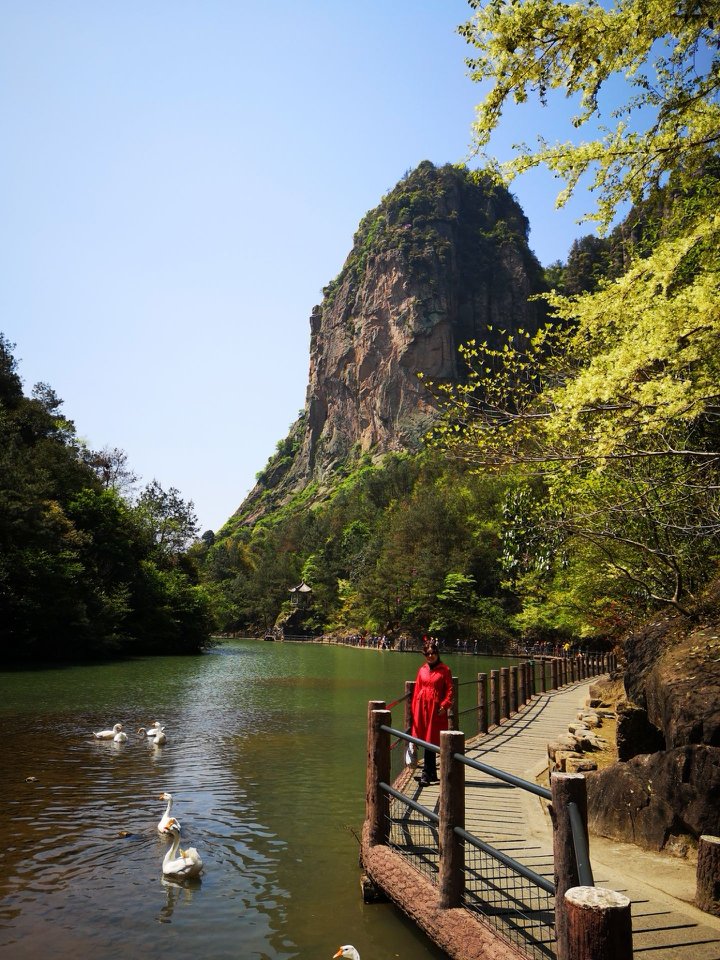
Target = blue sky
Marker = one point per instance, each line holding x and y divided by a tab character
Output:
178	181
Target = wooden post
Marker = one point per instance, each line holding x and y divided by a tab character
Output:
504	693
409	691
532	686
377	804
599	924
522	685
565	788
454	720
482	715
553	674
494	698
543	676
707	895
451	810
514	693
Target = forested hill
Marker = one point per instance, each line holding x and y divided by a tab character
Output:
86	570
567	483
442	259
350	501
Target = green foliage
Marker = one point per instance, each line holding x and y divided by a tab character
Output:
377	552
604	423
416	220
83	573
668	55
615	407
169	520
279	463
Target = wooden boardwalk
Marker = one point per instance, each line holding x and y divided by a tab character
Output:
516	823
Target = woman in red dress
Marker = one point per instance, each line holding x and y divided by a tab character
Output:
432	699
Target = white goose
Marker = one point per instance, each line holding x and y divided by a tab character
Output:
120	737
153	730
182	867
167	818
108	734
155	733
348	951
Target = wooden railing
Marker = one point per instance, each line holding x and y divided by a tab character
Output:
590	922
501	693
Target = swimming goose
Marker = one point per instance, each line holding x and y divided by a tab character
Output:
120	737
153	730
167	819
182	867
155	734
108	734
348	951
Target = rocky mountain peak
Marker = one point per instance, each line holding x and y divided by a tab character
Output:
443	257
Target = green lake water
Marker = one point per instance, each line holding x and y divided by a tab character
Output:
265	759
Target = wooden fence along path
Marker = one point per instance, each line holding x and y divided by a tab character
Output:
514	823
504	818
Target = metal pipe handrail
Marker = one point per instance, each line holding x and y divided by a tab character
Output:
475	764
507	861
410	739
579	836
580	844
394	703
506	777
498	855
468	710
410	802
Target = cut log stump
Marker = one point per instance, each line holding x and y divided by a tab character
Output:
599	926
707	894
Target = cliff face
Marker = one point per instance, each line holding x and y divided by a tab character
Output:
440	259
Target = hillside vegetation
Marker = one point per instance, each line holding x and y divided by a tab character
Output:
85	571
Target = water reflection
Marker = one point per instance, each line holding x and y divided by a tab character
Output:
265	762
176	890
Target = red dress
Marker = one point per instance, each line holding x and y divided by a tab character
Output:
433	690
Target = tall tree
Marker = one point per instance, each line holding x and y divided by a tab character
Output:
170	520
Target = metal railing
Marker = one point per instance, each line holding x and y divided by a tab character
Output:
525	905
517	901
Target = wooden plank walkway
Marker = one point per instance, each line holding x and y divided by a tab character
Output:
516	823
